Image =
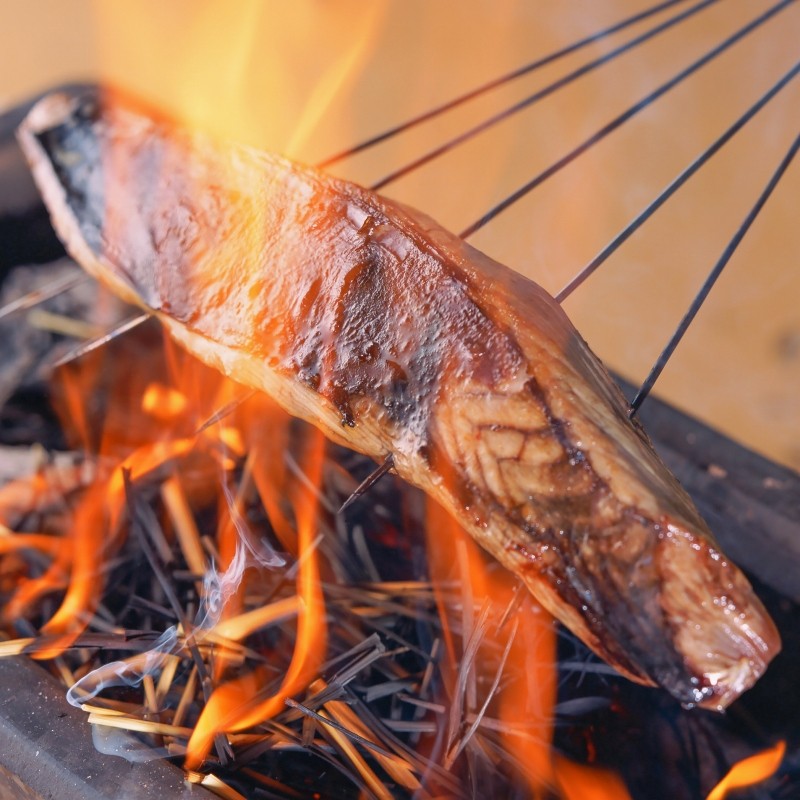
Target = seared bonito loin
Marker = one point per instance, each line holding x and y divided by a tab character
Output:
394	337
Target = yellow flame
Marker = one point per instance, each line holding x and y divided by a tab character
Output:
163	402
750	770
236	71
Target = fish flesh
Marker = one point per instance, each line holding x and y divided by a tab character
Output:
396	338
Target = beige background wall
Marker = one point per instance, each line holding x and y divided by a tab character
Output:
309	78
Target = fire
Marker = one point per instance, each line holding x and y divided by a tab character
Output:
498	661
239	75
94	534
163	402
234	706
251	106
526	703
750	771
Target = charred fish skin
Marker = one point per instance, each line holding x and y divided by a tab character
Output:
393	336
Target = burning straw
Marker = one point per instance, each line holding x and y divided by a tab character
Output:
198	592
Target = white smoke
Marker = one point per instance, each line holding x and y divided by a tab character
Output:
130	672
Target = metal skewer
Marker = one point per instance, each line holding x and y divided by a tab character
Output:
497	82
223	412
93	344
683	326
369	482
623	118
36	296
676	184
551	88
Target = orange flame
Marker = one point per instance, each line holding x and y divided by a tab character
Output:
163	402
239	74
580	782
525	704
749	771
232	706
140	433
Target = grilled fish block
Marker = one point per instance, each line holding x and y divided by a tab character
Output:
393	336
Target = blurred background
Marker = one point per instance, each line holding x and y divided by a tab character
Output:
311	78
